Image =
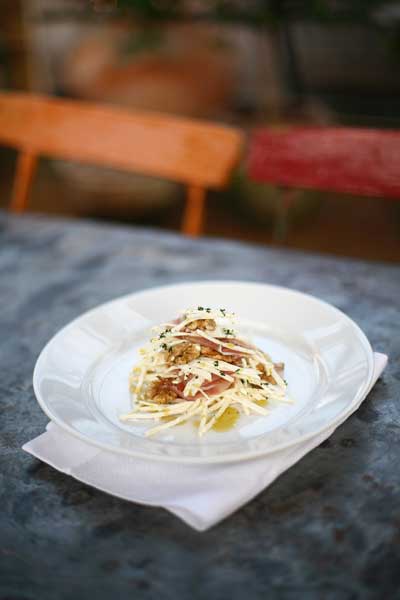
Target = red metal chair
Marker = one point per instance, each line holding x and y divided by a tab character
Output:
364	162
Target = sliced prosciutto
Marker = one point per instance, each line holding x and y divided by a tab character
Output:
216	386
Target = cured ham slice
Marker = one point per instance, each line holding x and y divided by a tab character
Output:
216	386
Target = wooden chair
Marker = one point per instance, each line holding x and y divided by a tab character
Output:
197	154
365	162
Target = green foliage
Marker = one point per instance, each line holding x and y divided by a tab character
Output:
152	9
142	41
257	12
337	10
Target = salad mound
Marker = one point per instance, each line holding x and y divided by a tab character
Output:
197	367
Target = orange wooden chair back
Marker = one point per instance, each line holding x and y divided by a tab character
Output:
198	154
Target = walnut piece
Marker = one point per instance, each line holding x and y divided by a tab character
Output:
160	392
203	324
264	375
183	353
229	358
211	353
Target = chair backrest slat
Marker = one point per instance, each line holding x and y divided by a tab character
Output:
179	149
350	160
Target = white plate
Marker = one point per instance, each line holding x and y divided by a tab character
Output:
81	376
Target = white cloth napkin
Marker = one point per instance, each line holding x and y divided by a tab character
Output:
201	495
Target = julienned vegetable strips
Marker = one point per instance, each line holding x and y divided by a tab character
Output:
198	366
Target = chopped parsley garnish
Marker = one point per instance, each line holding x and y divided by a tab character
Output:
164	346
208	310
242	380
228	331
223	311
163	333
216	363
200	308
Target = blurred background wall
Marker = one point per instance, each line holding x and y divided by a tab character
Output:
245	62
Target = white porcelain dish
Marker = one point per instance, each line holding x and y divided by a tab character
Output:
81	376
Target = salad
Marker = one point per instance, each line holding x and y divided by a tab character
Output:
199	368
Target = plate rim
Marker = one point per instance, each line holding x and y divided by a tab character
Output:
217	459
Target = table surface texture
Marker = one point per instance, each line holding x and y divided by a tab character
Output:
327	529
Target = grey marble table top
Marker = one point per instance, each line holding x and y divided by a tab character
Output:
329	528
